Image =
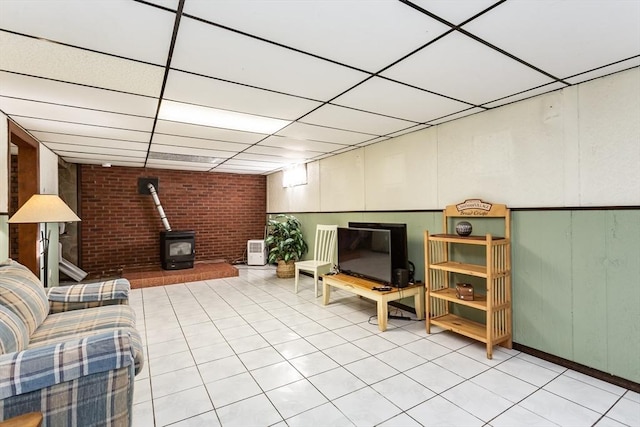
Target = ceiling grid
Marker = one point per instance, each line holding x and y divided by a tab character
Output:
241	86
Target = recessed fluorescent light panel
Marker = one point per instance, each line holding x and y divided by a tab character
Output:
294	175
198	115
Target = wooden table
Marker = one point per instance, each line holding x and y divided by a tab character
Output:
364	288
32	419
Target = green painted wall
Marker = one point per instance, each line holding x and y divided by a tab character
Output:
576	279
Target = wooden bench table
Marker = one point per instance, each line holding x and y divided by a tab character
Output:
364	288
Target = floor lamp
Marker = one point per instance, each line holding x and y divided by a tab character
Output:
44	208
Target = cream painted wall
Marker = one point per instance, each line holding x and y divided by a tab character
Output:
575	147
49	185
342	182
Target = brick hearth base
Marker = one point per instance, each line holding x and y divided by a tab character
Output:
144	277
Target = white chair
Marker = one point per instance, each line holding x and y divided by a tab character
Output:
323	254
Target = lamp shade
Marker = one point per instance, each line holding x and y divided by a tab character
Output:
44	208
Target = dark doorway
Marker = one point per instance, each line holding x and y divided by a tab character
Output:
28	173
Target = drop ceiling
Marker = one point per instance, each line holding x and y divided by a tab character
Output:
141	83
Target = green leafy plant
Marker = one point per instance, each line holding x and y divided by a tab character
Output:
284	239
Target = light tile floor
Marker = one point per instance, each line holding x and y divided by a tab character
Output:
248	351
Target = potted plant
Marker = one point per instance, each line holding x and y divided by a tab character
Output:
286	243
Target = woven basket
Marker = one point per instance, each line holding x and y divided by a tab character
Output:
286	270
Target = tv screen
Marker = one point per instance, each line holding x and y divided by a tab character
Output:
365	252
399	247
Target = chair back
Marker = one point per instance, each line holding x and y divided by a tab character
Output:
325	245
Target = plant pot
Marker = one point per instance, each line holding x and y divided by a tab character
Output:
286	270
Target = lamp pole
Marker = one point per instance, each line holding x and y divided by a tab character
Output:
46	236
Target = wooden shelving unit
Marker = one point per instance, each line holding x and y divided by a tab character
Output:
493	302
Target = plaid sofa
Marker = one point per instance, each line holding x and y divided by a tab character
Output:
71	353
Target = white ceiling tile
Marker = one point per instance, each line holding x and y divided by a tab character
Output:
37	89
166	164
85	150
40	58
169	4
256	63
206	132
172	149
113	161
353	120
299	144
130	156
576	36
114	25
300	130
185	87
208	144
252	165
44	125
74	115
397	100
462	68
289	157
84	141
179	161
455	12
279	152
237	170
363	34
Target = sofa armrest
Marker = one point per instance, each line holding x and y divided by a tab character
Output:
42	367
74	297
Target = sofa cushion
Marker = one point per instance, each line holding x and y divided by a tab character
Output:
70	325
22	293
13	332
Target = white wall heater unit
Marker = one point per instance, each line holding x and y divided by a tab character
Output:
256	252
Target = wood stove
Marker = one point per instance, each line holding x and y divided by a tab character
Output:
177	249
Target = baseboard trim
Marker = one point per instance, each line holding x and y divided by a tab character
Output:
569	364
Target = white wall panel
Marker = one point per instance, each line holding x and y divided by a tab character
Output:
511	155
342	182
48	171
579	146
393	169
49	185
610	140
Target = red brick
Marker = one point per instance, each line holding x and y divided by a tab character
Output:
121	228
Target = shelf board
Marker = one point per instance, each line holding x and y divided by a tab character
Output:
479	301
469	240
460	267
462	326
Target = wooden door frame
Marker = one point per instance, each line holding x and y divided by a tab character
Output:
28	185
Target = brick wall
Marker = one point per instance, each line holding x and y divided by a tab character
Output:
121	228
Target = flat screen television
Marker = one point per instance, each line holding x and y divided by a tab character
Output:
365	252
399	247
